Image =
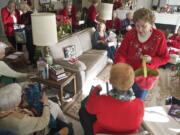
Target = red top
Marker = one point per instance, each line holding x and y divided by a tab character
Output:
115	116
175	41
8	21
113	24
117	4
131	49
92	13
64	13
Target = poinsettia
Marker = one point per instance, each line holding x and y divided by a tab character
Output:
64	25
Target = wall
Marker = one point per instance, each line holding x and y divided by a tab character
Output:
140	3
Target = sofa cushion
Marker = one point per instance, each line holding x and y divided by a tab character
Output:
94	63
57	50
85	39
77	66
94	51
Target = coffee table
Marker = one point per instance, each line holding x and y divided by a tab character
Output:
58	84
157	121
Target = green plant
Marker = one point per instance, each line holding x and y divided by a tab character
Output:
64	27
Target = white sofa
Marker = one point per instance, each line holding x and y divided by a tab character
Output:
90	62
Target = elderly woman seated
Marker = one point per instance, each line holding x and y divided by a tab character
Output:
119	112
22	121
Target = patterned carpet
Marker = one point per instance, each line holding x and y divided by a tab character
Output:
166	86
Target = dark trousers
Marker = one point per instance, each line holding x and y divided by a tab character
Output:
139	93
86	121
29	45
110	50
12	40
59	125
91	23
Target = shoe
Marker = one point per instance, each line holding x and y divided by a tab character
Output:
110	61
172	100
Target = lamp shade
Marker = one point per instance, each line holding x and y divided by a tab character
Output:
106	10
44	29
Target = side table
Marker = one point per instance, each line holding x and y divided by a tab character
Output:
58	84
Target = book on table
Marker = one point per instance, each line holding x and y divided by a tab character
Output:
56	69
60	76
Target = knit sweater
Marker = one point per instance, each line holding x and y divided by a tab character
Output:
131	50
115	116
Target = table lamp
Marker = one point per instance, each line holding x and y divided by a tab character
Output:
106	10
44	31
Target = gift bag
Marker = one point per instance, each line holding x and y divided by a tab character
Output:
146	77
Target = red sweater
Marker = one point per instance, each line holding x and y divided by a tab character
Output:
115	116
175	41
92	13
64	13
131	49
113	24
8	21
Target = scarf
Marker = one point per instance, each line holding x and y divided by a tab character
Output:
122	95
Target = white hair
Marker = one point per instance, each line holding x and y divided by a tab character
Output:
10	96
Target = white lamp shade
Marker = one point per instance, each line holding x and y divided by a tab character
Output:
106	10
44	29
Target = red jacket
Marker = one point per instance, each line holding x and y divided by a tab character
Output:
113	24
115	116
131	49
8	21
92	13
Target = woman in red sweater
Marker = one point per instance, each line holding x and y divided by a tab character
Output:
114	24
10	16
70	11
117	113
92	14
174	43
143	41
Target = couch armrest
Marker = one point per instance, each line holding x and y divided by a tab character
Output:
77	66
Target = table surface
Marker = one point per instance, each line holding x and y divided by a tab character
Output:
157	121
53	83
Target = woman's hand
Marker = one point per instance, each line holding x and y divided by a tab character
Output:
146	58
44	99
101	41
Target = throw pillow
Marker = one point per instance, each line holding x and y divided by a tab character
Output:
70	51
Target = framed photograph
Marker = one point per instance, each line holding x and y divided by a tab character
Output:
44	2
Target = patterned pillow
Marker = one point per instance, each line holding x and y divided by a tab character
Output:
70	51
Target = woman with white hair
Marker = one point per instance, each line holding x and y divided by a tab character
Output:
22	121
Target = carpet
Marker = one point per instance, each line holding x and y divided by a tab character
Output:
71	109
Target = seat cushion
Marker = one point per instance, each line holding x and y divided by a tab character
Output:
94	51
94	63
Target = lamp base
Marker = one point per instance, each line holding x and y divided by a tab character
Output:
48	58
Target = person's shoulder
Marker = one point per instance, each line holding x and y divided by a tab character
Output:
4	9
158	33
